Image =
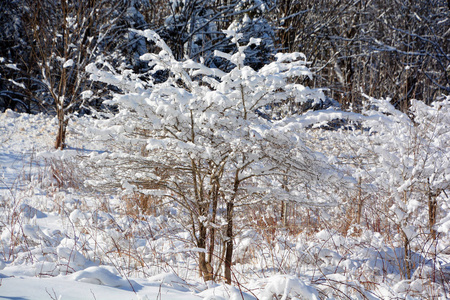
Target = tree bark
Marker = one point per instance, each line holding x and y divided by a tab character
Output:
60	142
229	242
229	233
212	231
432	214
407	253
284	210
205	267
359	204
284	204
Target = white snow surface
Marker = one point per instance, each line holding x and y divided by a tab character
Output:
71	275
65	288
49	251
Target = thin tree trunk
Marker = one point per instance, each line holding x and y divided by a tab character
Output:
284	204
407	253
284	209
229	242
212	232
205	268
359	204
60	142
229	235
432	214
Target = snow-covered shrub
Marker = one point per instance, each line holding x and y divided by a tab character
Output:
201	140
411	168
400	162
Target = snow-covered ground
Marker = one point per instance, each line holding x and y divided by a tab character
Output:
68	287
41	227
28	215
60	242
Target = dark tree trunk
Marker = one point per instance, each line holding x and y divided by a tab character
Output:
359	203
229	233
229	242
212	232
205	268
432	214
407	254
60	142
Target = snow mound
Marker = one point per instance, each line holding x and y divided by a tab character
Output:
225	292
31	212
102	276
289	287
170	279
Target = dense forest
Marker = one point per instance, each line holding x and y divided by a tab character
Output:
242	139
395	50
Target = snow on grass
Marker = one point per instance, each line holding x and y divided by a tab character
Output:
61	241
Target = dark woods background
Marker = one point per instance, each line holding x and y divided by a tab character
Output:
397	49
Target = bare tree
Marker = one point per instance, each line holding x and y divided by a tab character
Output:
15	89
397	49
66	36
